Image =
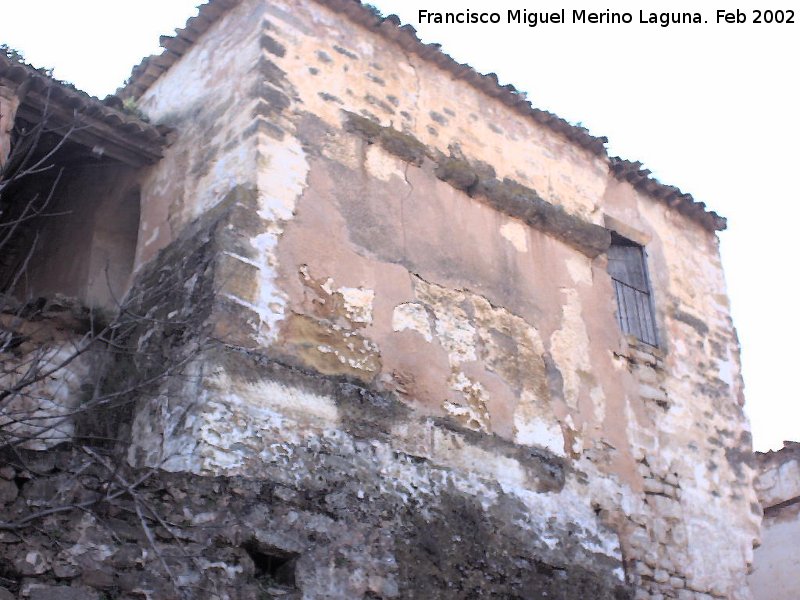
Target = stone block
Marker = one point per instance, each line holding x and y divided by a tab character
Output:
677	582
649	392
32	562
653	486
666	507
61	592
671	479
660	576
64	569
238	278
101	578
8	491
646	374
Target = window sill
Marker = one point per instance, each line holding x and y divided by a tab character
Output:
638	351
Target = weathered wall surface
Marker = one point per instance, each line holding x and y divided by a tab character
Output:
233	411
8	109
423	302
43	371
249	539
208	98
776	564
231	135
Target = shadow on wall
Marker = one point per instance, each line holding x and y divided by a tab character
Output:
83	243
113	249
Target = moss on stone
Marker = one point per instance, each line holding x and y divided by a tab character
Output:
403	146
363	127
506	196
524	203
458	173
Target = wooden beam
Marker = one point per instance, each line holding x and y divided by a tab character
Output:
90	132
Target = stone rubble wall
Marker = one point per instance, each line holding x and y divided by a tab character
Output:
343	533
44	367
238	412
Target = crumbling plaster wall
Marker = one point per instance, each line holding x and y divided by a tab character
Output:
776	564
358	262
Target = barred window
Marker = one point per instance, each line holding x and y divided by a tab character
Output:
628	270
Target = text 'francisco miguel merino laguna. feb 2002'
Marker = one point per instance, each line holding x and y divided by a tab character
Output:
607	17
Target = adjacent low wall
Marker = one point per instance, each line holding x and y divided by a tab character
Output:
776	563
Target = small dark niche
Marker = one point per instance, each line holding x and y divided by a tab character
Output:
272	564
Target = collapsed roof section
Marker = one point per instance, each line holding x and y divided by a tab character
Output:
101	126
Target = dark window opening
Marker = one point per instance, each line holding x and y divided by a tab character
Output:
628	270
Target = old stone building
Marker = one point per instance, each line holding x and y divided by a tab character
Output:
776	564
395	333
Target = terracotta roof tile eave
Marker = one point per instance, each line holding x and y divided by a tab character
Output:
639	178
41	88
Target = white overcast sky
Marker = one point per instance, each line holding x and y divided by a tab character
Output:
709	108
